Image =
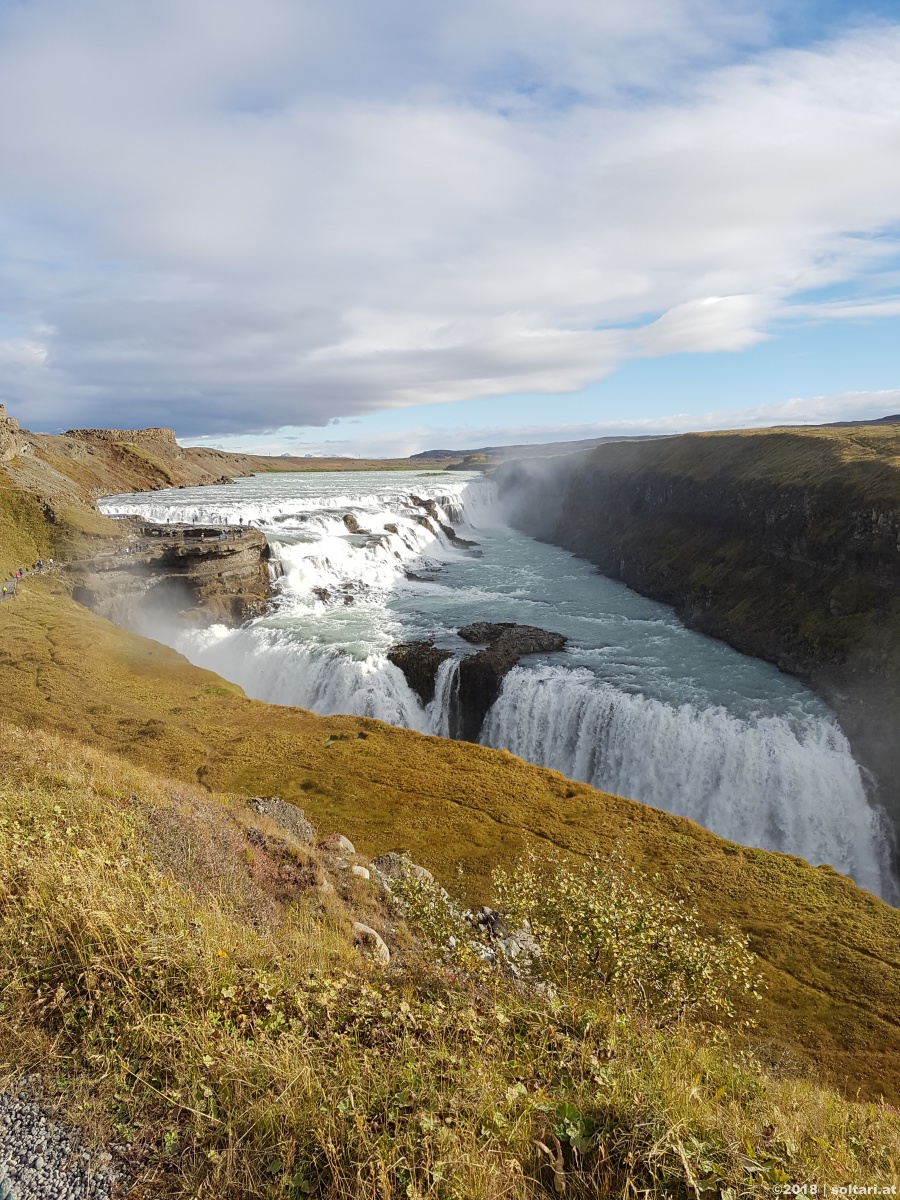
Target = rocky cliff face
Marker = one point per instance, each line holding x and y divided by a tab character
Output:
169	572
10	440
480	675
785	544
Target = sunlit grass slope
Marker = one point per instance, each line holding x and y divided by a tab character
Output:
240	1046
864	459
828	950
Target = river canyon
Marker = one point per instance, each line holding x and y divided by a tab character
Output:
635	703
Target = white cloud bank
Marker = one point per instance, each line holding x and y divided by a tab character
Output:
819	410
229	216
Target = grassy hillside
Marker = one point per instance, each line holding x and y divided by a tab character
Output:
196	992
828	949
174	963
865	458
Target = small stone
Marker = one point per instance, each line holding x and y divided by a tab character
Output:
336	843
373	942
394	865
360	872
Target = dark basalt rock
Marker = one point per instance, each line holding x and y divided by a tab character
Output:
353	526
429	505
419	662
480	675
454	538
449	532
508	637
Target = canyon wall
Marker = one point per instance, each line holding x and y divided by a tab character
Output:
10	438
158	573
784	543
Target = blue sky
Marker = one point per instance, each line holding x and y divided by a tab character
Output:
356	228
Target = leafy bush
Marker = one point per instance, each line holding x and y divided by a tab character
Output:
595	923
603	923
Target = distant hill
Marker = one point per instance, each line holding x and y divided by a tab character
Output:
545	449
894	420
531	449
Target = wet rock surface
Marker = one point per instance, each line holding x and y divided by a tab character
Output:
419	662
481	675
449	532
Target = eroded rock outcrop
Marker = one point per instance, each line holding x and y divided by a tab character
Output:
419	662
189	574
10	439
448	531
480	676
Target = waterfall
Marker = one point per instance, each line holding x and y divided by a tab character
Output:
766	766
781	785
441	713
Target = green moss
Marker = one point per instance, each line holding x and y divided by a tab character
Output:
25	533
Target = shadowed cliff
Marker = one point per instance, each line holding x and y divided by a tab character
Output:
784	543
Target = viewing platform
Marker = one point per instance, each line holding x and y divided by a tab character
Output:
185	532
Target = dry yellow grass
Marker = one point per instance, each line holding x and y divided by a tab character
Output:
242	1048
828	950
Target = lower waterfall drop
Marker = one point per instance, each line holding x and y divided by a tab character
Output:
636	704
768	782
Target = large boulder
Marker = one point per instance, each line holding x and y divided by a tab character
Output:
419	662
372	941
287	816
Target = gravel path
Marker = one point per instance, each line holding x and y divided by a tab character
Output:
42	1160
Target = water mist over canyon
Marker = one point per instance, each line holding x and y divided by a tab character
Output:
635	704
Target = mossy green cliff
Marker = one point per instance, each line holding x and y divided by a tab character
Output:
784	543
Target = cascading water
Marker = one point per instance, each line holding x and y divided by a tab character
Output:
636	704
760	781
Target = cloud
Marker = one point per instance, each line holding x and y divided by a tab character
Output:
816	410
232	216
